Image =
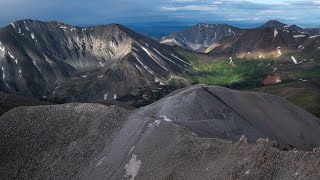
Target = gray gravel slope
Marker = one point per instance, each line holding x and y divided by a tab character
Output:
165	140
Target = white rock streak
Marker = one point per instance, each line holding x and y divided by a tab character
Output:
132	167
35	64
100	162
146	50
3	74
167	58
179	59
144	66
12	57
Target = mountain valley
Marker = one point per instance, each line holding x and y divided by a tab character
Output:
210	102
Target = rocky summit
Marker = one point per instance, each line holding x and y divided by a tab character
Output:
201	132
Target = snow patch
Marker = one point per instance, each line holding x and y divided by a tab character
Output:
2	48
165	118
20	73
300	47
156	122
100	76
278	81
294	60
115	96
159	81
311	37
261	56
14	26
231	60
279	52
3	74
274	70
4	77
105	96
275	34
170	41
32	35
299	35
132	167
101	64
229	30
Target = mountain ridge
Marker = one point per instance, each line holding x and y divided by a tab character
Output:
54	53
200	36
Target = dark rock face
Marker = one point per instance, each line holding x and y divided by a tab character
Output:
291	28
52	58
200	36
262	42
165	140
10	101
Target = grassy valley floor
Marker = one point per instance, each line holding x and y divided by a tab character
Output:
298	83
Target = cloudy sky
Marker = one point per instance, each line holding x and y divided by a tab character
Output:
90	12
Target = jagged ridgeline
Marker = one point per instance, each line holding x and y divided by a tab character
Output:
53	59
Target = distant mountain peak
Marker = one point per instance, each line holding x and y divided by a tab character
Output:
273	24
200	36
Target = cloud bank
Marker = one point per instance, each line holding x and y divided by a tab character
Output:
130	11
